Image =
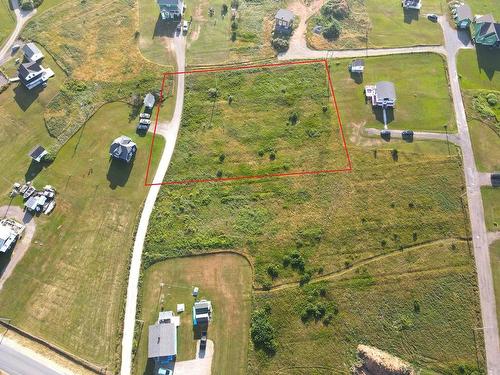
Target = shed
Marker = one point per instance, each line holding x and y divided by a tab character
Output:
123	148
284	19
32	53
38	153
149	101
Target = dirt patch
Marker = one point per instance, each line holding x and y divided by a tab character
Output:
356	135
377	362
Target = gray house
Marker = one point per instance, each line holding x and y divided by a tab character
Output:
32	53
162	343
123	148
170	9
383	94
32	74
284	20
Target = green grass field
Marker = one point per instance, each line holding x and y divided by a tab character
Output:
369	26
224	279
491	202
495	266
69	288
486	7
419	304
254	133
7	20
479	69
425	86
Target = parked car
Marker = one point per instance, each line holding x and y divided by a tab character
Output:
203	340
407	134
185	26
179	26
164	371
144	115
145	121
432	17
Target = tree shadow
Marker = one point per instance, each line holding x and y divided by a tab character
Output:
166	28
410	15
34	169
357	77
488	60
5	259
119	173
379	114
24	97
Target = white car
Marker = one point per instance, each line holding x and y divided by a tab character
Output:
144	115
185	26
145	121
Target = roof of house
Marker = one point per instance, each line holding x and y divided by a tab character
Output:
358	62
122	147
464	12
169	2
30	67
489	28
285	15
149	100
485	18
202	306
37	152
162	340
386	89
30	51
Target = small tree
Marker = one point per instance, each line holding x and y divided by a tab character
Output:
213	93
273	271
332	30
223	10
235	4
280	44
262	332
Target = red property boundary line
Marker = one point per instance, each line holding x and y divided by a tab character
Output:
348	168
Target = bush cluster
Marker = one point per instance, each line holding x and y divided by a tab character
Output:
262	332
280	44
331	13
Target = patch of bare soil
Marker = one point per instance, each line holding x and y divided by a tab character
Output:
374	361
356	135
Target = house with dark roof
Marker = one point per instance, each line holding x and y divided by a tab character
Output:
38	153
32	74
170	9
32	53
123	148
485	31
463	16
284	20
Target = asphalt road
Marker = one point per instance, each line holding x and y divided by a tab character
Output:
21	18
169	131
14	362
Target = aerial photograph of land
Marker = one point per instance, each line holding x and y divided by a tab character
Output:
232	187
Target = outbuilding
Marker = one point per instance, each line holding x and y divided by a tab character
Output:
38	153
123	148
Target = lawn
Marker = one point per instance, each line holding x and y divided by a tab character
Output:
419	304
479	69
423	100
491	203
70	286
257	122
210	40
495	266
7	20
369	26
224	279
486	7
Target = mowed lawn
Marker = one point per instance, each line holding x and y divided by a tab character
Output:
224	279
69	287
479	69
495	266
423	101
491	203
419	304
257	122
382	23
7	20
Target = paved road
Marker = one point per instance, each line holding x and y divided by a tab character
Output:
453	43
16	360
21	18
453	138
22	246
169	131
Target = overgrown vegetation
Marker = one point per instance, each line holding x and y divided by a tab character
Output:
331	13
262	332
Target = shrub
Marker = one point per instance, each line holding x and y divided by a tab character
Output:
262	332
338	9
286	261
280	44
297	261
294	118
305	278
223	10
492	99
273	271
222	157
332	30
234	25
235	4
213	93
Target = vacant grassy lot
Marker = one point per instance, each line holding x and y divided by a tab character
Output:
495	266
7	20
424	87
69	287
210	39
224	279
382	23
420	304
257	122
491	202
479	69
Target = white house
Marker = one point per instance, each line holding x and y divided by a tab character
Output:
32	53
383	94
411	4
170	9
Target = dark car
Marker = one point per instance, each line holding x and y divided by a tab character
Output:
432	17
407	134
203	340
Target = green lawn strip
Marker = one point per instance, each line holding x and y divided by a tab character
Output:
255	122
368	26
495	267
7	20
69	288
491	203
421	305
479	69
486	145
224	279
423	100
485	7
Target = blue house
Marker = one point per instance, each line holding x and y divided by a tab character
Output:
202	312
